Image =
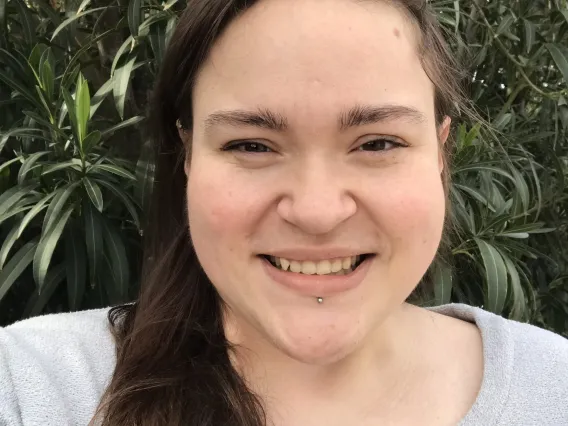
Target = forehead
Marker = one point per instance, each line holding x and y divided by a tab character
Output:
311	58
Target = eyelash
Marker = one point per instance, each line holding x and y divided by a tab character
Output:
241	146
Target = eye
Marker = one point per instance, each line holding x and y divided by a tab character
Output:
379	144
247	147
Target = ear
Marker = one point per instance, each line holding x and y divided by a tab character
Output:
185	138
443	134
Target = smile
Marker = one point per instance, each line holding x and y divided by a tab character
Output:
311	278
338	266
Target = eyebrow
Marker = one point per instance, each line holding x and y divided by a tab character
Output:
262	118
358	115
361	115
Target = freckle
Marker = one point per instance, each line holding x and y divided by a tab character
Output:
397	33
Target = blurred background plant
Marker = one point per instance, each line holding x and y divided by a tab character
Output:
76	170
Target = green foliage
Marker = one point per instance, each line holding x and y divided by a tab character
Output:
70	198
73	84
509	197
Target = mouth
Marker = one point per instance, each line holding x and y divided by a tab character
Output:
329	267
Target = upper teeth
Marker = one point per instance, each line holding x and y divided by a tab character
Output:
322	267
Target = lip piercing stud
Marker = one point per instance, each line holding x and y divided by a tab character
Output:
320	300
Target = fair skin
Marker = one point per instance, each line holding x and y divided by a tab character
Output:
314	185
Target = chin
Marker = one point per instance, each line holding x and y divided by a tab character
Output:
319	342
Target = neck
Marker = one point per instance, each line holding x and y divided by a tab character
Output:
381	368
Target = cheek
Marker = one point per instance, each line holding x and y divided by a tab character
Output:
411	212
224	209
216	203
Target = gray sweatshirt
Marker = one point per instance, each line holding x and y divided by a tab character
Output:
54	368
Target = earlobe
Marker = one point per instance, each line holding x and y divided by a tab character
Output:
444	130
185	138
443	134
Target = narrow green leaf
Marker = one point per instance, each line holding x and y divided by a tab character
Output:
34	58
134	16
70	103
49	10
118	261
91	141
94	193
9	163
17	63
28	165
560	56
76	267
478	168
38	300
476	194
8	243
82	107
505	24
74	66
517	235
20	88
93	240
496	277
47	244
522	189
530	34
150	21
123	124
72	19
121	78
111	168
129	42
101	94
26	21
74	164
10	197
169	4
501	121
21	206
22	133
516	292
538	189
3	26
48	80
40	205
565	13
170	27
14	268
83	6
442	283
124	198
40	120
56	205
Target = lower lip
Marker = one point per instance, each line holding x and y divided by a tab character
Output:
318	285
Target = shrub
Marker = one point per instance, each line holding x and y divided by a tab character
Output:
75	171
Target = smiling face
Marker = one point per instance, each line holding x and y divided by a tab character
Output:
314	141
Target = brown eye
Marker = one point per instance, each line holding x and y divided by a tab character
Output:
248	147
379	145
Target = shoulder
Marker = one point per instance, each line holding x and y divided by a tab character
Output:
538	376
60	335
526	370
57	364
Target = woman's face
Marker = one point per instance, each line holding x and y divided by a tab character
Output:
314	141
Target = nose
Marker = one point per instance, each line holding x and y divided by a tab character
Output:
317	200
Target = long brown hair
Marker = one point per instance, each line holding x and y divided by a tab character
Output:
173	359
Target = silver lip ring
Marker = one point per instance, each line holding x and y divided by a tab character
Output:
320	300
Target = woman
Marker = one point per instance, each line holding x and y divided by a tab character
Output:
309	137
